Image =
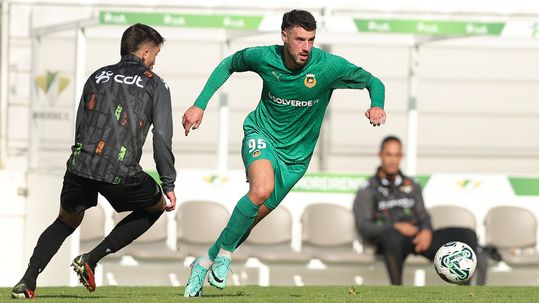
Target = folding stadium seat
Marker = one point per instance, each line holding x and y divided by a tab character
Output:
152	245
447	216
328	233
199	224
270	240
92	228
513	231
444	216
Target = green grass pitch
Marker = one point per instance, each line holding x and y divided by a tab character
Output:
308	294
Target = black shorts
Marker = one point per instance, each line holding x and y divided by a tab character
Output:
80	193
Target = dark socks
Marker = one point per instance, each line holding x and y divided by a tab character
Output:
125	232
47	245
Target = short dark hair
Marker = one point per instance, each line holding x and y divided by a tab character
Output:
299	18
136	35
389	139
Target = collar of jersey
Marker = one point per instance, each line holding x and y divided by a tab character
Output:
399	178
133	58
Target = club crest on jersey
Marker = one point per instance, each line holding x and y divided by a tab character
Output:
256	153
406	186
310	81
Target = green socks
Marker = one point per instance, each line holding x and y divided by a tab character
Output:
240	222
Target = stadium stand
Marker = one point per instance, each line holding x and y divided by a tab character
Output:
510	240
192	239
328	236
329	233
271	239
513	231
328	254
443	216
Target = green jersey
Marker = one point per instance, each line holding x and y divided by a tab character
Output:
293	102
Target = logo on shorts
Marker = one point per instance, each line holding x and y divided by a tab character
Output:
310	81
256	153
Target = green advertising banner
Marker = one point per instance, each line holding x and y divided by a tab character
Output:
349	183
525	186
181	20
337	183
330	183
430	27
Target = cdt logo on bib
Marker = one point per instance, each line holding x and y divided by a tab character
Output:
129	80
104	76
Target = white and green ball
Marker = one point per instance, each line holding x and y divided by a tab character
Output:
455	262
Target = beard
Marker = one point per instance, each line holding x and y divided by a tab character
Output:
296	57
299	59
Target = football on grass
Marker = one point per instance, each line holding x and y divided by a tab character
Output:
455	262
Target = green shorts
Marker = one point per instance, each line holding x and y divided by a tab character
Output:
256	146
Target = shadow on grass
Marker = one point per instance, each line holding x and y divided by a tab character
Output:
238	294
78	297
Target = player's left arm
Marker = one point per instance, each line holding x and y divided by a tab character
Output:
376	113
349	75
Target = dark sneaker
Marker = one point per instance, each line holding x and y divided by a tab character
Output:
85	271
21	291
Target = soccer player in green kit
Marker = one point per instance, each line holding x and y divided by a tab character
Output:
281	133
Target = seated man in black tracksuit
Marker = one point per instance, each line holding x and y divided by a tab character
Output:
390	213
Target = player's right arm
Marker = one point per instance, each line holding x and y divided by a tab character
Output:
240	61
